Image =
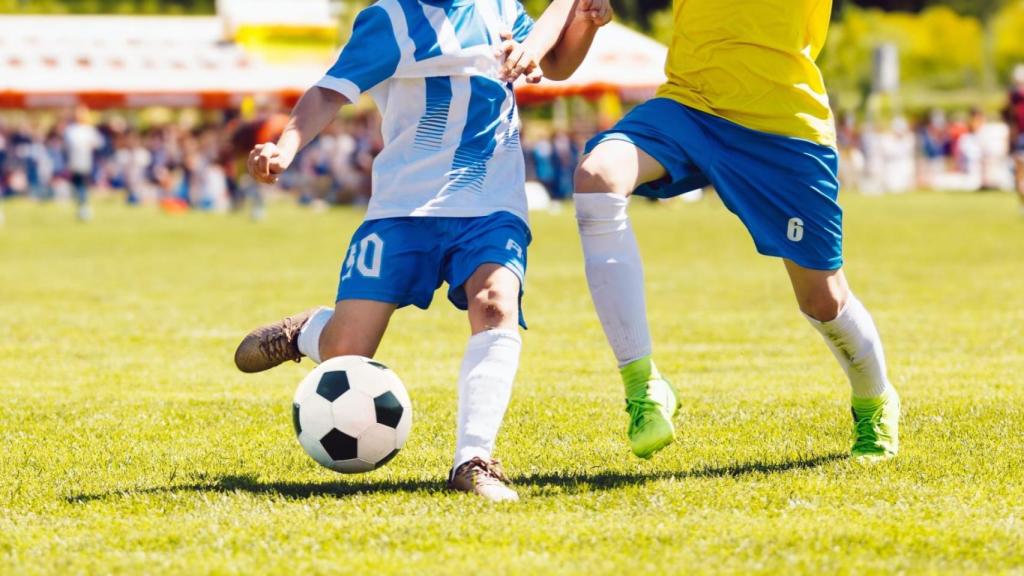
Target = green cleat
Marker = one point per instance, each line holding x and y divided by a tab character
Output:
651	401
876	427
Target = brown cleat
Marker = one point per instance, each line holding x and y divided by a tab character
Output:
483	478
273	344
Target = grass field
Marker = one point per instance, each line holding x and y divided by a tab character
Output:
128	442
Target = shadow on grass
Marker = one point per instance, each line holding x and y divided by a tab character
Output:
250	484
608	480
572	481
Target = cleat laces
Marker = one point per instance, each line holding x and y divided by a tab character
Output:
283	344
867	432
639	410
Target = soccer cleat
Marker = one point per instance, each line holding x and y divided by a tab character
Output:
651	401
483	477
876	427
273	344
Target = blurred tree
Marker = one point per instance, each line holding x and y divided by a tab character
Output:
979	8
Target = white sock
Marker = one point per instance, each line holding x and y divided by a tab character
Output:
485	387
309	336
854	340
615	273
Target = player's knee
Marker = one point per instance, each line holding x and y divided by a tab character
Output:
494	307
596	174
823	306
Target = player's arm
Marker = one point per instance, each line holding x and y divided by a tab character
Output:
560	39
315	110
370	57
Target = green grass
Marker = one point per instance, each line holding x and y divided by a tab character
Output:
128	442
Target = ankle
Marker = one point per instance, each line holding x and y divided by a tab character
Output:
636	375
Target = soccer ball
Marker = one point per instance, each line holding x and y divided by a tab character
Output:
352	414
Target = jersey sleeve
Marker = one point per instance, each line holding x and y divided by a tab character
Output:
370	57
523	24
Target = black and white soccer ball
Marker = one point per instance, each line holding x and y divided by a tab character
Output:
352	414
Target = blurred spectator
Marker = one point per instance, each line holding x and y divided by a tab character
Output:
82	141
851	154
542	156
898	150
566	156
935	146
553	157
1015	121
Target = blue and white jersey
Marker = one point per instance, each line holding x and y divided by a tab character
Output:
450	126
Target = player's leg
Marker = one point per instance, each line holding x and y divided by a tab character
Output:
355	328
646	153
785	191
615	276
485	270
850	333
352	327
81	186
390	263
1018	160
485	381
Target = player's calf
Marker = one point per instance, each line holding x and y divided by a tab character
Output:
355	328
352	328
851	335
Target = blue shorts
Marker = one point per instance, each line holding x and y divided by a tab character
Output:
404	261
783	189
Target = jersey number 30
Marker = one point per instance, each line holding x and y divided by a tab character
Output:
365	257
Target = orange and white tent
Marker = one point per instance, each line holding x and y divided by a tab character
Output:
118	61
128	62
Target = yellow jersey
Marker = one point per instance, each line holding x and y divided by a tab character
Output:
753	62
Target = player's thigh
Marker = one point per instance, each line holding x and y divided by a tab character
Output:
493	293
821	294
784	190
616	166
356	328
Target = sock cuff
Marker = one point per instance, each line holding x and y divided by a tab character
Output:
309	335
851	301
494	336
601	207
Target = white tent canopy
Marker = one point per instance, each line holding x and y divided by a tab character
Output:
126	61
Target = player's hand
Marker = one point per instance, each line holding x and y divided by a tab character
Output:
266	163
596	12
517	61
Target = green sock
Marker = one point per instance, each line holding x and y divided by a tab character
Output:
869	405
637	374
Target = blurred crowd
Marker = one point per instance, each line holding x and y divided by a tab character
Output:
189	164
179	165
965	151
185	164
